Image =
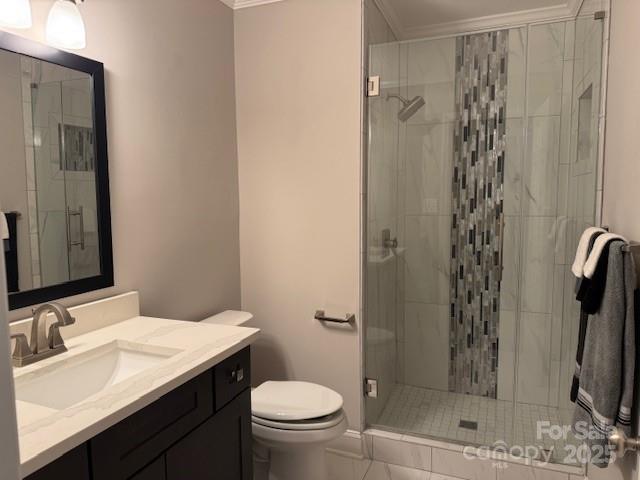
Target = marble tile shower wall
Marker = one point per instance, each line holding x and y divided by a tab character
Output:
584	180
382	210
540	210
58	97
425	220
536	169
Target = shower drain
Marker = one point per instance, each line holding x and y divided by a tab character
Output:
468	424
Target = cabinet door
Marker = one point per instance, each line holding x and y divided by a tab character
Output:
73	465
128	446
220	449
154	471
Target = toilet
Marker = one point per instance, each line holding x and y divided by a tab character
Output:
292	421
296	421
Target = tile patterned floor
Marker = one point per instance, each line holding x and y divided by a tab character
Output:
347	468
438	414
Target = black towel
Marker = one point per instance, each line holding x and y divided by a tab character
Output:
592	290
584	288
11	253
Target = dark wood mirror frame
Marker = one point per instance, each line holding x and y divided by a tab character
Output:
22	46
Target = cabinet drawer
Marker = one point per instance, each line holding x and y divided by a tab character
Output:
231	377
128	446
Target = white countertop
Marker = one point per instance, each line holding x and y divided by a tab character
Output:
46	434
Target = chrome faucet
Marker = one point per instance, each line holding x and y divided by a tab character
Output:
43	345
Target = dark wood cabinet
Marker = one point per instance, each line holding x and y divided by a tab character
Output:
73	465
199	431
122	450
219	449
155	471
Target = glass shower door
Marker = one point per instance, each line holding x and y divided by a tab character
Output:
64	226
383	251
78	162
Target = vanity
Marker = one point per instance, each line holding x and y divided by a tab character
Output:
141	398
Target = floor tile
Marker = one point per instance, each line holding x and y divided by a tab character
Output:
438	414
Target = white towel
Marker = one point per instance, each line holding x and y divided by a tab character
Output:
598	246
583	250
4	227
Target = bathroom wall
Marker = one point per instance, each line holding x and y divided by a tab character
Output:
172	150
622	165
9	454
298	84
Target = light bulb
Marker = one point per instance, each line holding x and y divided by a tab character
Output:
65	27
15	13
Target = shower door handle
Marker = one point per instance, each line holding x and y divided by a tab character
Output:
80	214
391	243
387	241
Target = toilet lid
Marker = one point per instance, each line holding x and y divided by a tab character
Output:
294	401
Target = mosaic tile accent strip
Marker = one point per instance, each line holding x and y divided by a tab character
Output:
477	226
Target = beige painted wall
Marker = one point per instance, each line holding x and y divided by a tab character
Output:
298	104
172	150
9	455
622	156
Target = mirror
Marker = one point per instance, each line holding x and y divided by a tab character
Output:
54	203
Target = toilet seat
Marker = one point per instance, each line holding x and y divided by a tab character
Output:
294	402
321	423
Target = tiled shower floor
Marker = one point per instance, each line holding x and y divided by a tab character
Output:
438	414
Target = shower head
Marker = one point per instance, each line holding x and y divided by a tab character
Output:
409	107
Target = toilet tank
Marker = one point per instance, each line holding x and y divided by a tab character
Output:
230	317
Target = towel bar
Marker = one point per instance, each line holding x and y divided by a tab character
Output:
631	247
349	318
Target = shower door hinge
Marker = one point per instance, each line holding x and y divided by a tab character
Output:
370	388
373	86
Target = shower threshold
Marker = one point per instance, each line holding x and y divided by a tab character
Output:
480	422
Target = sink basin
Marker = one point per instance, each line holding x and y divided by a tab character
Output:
72	380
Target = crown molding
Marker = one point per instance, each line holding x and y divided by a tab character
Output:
575	6
389	14
568	10
238	4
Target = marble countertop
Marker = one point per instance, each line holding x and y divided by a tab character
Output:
46	434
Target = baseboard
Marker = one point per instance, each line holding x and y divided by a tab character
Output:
350	444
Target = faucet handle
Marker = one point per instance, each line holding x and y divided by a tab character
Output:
22	349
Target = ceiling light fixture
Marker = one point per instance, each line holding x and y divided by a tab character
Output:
65	27
15	13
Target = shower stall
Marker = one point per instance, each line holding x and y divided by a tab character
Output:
483	165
